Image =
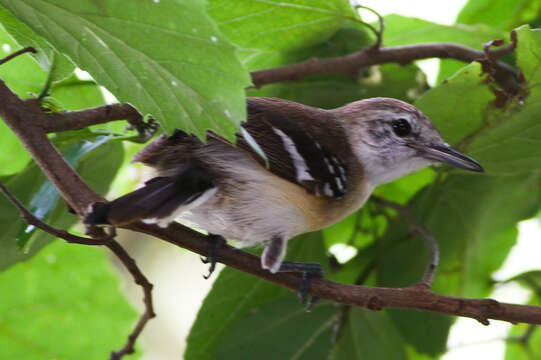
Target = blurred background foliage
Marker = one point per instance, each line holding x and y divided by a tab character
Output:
185	62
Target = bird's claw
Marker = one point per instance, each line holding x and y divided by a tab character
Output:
309	271
306	283
216	242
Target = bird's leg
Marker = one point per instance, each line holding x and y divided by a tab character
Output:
216	242
272	260
309	272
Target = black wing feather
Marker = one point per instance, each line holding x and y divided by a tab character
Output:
313	141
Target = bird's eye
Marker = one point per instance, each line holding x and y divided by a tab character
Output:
401	127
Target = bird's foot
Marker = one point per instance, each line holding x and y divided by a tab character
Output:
309	271
216	242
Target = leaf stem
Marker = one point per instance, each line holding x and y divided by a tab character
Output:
17	53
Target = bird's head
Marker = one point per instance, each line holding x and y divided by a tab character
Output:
392	138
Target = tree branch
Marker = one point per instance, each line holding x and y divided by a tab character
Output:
374	298
504	74
24	119
75	120
140	279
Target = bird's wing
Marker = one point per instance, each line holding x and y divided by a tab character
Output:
301	144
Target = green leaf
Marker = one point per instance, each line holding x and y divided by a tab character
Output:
512	146
31	188
530	279
349	38
274	25
445	106
46	56
13	156
426	331
517	350
403	189
370	335
222	309
75	94
529	56
524	340
351	271
349	231
401	30
501	14
166	58
64	304
284	322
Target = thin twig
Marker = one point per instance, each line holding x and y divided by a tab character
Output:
141	280
33	220
381	20
17	53
117	249
421	230
75	120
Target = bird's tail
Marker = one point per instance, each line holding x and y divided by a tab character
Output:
159	201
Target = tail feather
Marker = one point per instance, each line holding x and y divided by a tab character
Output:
98	216
160	198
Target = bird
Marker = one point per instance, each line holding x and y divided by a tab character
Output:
293	169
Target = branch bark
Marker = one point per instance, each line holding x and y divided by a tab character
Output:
374	298
75	120
504	74
24	118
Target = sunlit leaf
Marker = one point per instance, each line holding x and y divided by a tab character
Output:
274	25
501	14
48	58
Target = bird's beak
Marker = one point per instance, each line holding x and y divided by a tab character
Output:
447	155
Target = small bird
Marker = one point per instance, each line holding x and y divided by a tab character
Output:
319	167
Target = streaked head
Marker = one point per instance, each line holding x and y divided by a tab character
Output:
392	138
